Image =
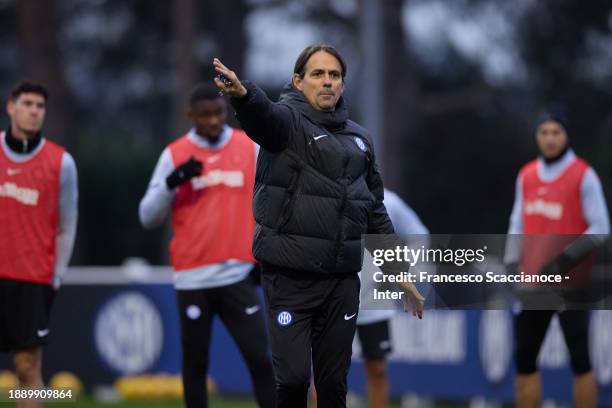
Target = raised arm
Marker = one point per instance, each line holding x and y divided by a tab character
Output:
268	124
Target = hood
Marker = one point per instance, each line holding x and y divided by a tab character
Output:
335	120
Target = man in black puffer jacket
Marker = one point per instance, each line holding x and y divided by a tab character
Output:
317	190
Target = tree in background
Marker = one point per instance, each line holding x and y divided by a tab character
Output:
184	61
461	83
38	38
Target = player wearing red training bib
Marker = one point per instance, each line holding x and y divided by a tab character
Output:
205	180
561	210
38	214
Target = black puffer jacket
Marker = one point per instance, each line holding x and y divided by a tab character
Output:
317	187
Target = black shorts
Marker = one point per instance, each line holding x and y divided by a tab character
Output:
24	314
375	340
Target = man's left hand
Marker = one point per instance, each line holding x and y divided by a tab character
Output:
412	297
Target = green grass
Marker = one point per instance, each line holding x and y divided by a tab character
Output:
214	403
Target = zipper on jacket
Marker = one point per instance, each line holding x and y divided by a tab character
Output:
344	184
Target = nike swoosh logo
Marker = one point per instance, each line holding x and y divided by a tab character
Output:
212	159
346	317
12	172
318	137
42	333
251	310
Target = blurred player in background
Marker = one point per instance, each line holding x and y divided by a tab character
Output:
558	193
205	179
372	324
38	217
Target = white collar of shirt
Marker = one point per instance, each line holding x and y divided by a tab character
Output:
20	157
550	172
224	138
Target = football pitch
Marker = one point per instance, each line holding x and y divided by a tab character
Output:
214	403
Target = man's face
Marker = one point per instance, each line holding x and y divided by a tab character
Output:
208	117
551	138
322	84
27	112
